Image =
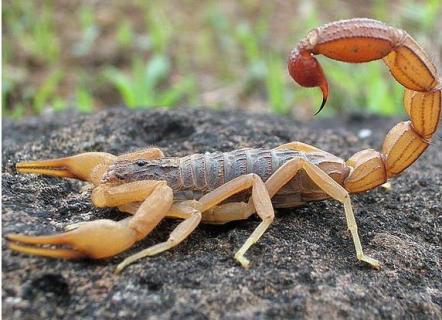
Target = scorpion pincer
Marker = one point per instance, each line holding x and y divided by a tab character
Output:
222	187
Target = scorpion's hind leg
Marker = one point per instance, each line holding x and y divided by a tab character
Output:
105	238
260	200
285	173
337	192
190	211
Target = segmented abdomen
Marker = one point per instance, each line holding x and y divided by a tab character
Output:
201	173
205	172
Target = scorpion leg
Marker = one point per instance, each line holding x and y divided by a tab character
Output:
105	238
220	214
298	146
228	212
130	208
190	211
120	195
285	173
260	199
175	211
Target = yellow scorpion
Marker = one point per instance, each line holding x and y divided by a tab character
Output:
222	187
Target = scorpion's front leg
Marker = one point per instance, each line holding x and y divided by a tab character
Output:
260	199
190	211
214	213
362	40
105	238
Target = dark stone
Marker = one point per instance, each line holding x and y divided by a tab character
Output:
53	286
303	267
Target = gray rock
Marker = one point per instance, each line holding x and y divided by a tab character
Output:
303	267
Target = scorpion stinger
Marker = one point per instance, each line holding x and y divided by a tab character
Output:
306	71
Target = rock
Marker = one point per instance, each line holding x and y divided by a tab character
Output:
303	267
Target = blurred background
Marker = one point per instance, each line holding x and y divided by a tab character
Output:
93	54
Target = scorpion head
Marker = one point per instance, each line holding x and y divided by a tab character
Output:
123	171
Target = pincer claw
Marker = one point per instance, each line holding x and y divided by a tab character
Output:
88	166
95	239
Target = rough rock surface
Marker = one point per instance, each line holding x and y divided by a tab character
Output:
303	267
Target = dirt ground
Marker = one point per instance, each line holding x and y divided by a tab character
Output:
303	267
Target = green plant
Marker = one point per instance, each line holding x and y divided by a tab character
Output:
125	35
143	87
33	24
47	91
159	29
89	29
53	57
279	97
83	100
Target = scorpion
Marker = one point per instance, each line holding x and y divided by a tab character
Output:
222	187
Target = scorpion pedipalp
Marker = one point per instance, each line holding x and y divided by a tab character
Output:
102	238
88	166
94	239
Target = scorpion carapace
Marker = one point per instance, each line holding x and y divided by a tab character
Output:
222	187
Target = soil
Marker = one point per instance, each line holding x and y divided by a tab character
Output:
303	267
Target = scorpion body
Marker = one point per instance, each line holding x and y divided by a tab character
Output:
222	187
193	176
